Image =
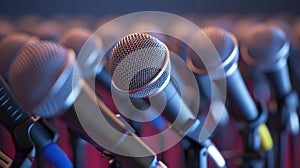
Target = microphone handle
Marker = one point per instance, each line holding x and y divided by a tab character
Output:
175	111
90	105
240	98
280	81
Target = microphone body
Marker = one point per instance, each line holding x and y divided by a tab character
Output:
28	132
147	64
227	50
269	56
63	90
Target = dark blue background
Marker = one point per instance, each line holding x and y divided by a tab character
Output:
102	7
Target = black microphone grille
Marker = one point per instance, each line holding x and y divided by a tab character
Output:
212	39
35	70
265	46
9	47
140	65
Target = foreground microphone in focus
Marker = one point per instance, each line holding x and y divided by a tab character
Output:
255	133
267	50
140	67
88	49
27	131
42	78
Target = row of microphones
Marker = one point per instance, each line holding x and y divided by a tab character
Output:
53	80
47	90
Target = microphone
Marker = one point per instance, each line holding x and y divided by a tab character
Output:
75	39
227	49
267	49
49	30
27	130
45	71
6	28
140	66
294	58
9	47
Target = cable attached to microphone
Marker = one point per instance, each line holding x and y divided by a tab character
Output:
28	132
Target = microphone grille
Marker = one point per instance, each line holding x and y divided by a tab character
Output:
265	41
9	47
75	38
139	65
222	41
34	72
87	47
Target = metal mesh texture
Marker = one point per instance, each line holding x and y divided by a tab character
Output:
213	38
9	47
34	72
138	65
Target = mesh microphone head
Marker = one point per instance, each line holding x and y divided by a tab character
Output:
75	38
140	65
49	30
89	46
222	41
41	78
5	28
265	47
28	23
9	47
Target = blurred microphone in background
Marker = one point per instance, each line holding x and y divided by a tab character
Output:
43	81
9	47
267	49
239	101
6	27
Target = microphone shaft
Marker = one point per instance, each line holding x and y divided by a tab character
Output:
280	80
240	97
90	105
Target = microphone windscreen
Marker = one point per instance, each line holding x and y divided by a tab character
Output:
87	47
49	30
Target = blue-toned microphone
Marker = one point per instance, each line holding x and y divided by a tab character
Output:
141	68
42	80
27	131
